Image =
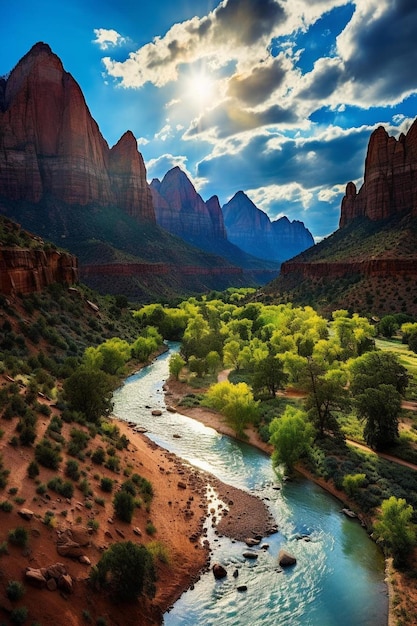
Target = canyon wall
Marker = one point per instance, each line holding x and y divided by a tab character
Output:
390	179
27	271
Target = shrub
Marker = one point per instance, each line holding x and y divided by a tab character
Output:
18	536
15	590
64	487
150	528
6	506
131	570
352	482
113	463
72	470
47	455
85	488
33	469
106	484
19	615
124	505
98	456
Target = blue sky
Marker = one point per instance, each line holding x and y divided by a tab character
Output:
277	98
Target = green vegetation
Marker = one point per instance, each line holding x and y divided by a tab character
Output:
128	569
291	436
394	528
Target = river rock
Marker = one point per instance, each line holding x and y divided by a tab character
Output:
219	571
249	554
285	559
250	541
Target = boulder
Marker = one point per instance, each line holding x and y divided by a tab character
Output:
65	583
34	577
26	514
285	559
219	571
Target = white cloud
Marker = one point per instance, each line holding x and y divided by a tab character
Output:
280	195
157	168
108	38
331	193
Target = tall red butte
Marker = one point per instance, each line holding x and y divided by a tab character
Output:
50	146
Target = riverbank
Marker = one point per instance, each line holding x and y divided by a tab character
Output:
402	591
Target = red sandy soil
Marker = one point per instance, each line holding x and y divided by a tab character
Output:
178	511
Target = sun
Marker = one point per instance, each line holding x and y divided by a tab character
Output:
201	89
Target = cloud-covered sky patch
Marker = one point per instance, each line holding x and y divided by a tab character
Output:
277	98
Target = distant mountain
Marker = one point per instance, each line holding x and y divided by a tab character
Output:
251	229
183	212
60	179
369	264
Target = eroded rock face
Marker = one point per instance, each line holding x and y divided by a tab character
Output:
28	271
390	179
182	211
251	229
50	146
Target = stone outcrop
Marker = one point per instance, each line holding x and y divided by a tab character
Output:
51	147
28	271
390	179
182	211
251	229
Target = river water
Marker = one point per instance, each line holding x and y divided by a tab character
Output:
339	576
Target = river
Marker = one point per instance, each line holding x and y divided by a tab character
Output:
339	576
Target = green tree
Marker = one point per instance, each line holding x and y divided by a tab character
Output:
327	394
375	368
269	375
213	361
291	436
231	354
379	407
235	402
388	326
176	363
89	391
128	569
394	528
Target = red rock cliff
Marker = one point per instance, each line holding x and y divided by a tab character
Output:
390	179
26	271
50	145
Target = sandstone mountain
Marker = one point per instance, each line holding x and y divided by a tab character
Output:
183	212
51	146
370	263
251	229
390	180
60	180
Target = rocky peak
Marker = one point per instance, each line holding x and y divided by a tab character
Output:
390	179
215	210
51	146
251	229
128	174
182	211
